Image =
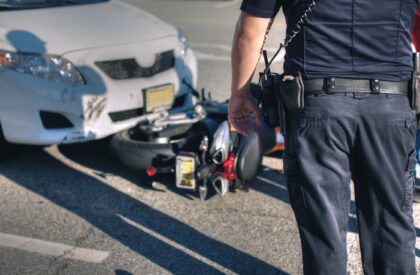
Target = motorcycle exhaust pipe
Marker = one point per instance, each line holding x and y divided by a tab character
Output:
219	150
219	156
220	183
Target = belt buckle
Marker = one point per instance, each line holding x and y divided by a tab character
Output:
375	86
331	88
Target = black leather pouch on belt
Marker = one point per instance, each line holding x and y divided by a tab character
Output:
291	90
267	98
414	90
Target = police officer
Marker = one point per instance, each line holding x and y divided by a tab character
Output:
415	35
357	123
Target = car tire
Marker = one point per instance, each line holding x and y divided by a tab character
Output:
137	152
5	147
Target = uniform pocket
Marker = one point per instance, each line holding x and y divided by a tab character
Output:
294	185
409	182
408	129
308	124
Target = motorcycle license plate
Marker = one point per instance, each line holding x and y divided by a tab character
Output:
159	98
185	172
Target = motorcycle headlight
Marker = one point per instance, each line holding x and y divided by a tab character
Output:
48	67
183	41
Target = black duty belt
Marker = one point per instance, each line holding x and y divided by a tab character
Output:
332	85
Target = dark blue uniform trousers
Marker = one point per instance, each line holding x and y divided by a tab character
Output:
369	138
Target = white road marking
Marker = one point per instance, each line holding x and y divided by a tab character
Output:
213	57
203	55
176	245
206	56
211	46
226	4
52	248
224	47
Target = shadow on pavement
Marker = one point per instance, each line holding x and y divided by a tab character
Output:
122	272
95	155
266	181
273	184
108	209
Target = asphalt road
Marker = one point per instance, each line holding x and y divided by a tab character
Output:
74	210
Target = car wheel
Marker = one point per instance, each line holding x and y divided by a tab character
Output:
137	151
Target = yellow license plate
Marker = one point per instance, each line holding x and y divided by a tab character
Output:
159	98
185	172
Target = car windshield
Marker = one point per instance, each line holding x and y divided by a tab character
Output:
33	4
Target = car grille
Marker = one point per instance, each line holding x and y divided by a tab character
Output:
128	114
129	68
124	115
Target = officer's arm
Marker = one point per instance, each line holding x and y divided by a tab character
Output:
246	49
416	31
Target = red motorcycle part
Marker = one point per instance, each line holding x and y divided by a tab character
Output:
151	171
229	168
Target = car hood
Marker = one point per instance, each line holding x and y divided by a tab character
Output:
63	29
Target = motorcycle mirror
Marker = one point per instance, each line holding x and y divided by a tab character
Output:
204	145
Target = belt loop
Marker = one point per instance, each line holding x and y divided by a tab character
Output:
330	85
375	86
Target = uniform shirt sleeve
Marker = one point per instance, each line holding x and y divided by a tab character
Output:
261	8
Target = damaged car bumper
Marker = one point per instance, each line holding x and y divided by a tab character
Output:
40	112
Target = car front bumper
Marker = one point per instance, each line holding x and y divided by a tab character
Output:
34	111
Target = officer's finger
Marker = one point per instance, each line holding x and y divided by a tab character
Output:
253	109
242	127
238	125
233	117
241	130
246	125
257	117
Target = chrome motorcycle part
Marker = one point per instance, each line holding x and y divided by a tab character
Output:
220	183
219	150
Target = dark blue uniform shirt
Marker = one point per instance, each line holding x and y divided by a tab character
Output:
365	39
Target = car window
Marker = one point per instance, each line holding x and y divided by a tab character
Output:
33	4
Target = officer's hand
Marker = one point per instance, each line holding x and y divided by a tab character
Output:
241	106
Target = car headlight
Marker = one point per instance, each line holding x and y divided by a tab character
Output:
48	67
183	41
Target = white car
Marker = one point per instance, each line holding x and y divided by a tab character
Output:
73	70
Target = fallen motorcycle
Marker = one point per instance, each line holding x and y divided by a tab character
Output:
199	147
